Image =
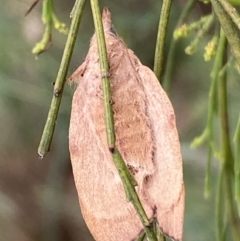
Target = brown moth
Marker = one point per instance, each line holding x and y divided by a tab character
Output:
146	137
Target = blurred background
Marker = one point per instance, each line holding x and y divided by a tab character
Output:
38	200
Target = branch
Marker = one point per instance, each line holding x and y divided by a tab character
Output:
230	23
227	154
166	82
128	181
49	127
161	37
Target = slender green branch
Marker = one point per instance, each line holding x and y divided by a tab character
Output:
105	74
185	29
220	211
213	100
231	11
208	133
48	131
49	18
207	179
128	181
223	108
171	55
237	164
161	37
160	236
233	219
227	154
132	195
230	28
205	27
141	237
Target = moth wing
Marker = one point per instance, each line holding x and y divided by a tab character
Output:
165	188
102	198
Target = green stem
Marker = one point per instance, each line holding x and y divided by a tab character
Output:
234	222
212	107
230	28
49	127
132	195
237	164
223	108
220	211
47	8
104	67
171	55
128	181
228	160
232	12
213	100
207	179
160	236
141	237
205	27
161	37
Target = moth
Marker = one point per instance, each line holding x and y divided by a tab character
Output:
146	137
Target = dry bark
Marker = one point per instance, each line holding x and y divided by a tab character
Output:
146	137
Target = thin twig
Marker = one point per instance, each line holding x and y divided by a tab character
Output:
104	67
161	37
49	127
32	7
127	180
208	20
227	155
219	208
218	63
229	26
232	12
212	107
166	82
237	164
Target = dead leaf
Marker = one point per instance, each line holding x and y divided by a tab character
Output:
146	137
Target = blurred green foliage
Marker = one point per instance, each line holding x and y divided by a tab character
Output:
38	200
